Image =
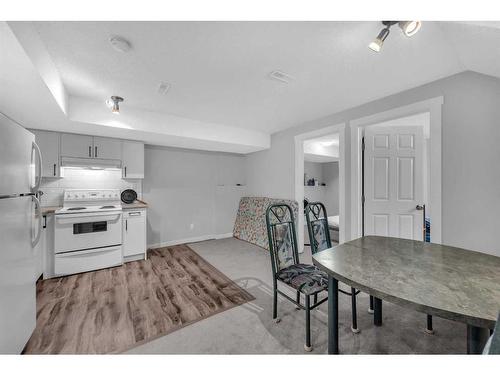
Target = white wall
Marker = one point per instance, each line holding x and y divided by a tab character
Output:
191	194
327	173
331	177
470	156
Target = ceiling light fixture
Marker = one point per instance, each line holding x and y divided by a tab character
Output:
120	44
113	103
377	44
409	28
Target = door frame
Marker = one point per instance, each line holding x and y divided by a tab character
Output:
434	108
299	177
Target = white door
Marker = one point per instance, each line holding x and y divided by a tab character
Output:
76	145
107	148
49	147
394	183
133	159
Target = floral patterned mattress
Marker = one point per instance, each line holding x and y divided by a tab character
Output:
250	222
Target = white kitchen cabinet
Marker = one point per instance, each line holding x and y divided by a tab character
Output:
77	146
107	148
49	148
134	234
132	159
55	146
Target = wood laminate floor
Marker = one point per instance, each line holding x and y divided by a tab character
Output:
112	310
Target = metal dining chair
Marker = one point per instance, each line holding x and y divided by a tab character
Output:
305	279
319	238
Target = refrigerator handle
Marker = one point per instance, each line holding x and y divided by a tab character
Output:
35	188
38	214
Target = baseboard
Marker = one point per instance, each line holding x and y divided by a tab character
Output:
225	235
190	240
135	257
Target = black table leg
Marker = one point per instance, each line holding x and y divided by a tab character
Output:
429	330
476	339
370	309
354	327
377	315
333	316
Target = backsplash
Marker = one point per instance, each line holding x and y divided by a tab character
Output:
53	188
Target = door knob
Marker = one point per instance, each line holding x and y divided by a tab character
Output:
420	207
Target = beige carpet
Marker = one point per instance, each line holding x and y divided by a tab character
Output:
112	310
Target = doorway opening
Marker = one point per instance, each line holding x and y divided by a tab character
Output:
320	177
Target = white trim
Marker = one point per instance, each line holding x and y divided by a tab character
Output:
190	240
132	258
224	235
433	106
299	177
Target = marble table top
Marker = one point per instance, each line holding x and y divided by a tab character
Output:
439	280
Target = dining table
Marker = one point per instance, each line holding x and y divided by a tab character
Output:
438	280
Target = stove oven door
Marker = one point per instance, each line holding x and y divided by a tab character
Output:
85	231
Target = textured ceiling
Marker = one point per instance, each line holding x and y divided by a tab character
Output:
219	70
219	74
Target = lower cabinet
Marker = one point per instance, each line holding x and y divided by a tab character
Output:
134	234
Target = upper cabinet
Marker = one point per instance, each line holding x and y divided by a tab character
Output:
107	148
86	146
49	148
55	147
77	146
132	159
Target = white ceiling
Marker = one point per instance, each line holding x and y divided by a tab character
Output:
219	74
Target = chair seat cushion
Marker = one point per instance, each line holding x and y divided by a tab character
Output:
306	278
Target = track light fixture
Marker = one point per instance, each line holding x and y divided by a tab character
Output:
409	28
114	104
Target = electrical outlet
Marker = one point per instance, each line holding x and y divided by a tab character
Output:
191	226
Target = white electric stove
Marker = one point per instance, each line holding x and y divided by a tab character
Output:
88	231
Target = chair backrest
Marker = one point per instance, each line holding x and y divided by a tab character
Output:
317	227
282	236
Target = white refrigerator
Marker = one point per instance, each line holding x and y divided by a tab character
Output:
20	228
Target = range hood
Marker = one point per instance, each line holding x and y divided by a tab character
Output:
87	163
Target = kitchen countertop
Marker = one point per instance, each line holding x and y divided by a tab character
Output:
137	204
49	210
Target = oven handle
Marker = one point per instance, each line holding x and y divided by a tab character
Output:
86	218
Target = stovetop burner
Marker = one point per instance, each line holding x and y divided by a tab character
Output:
76	208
